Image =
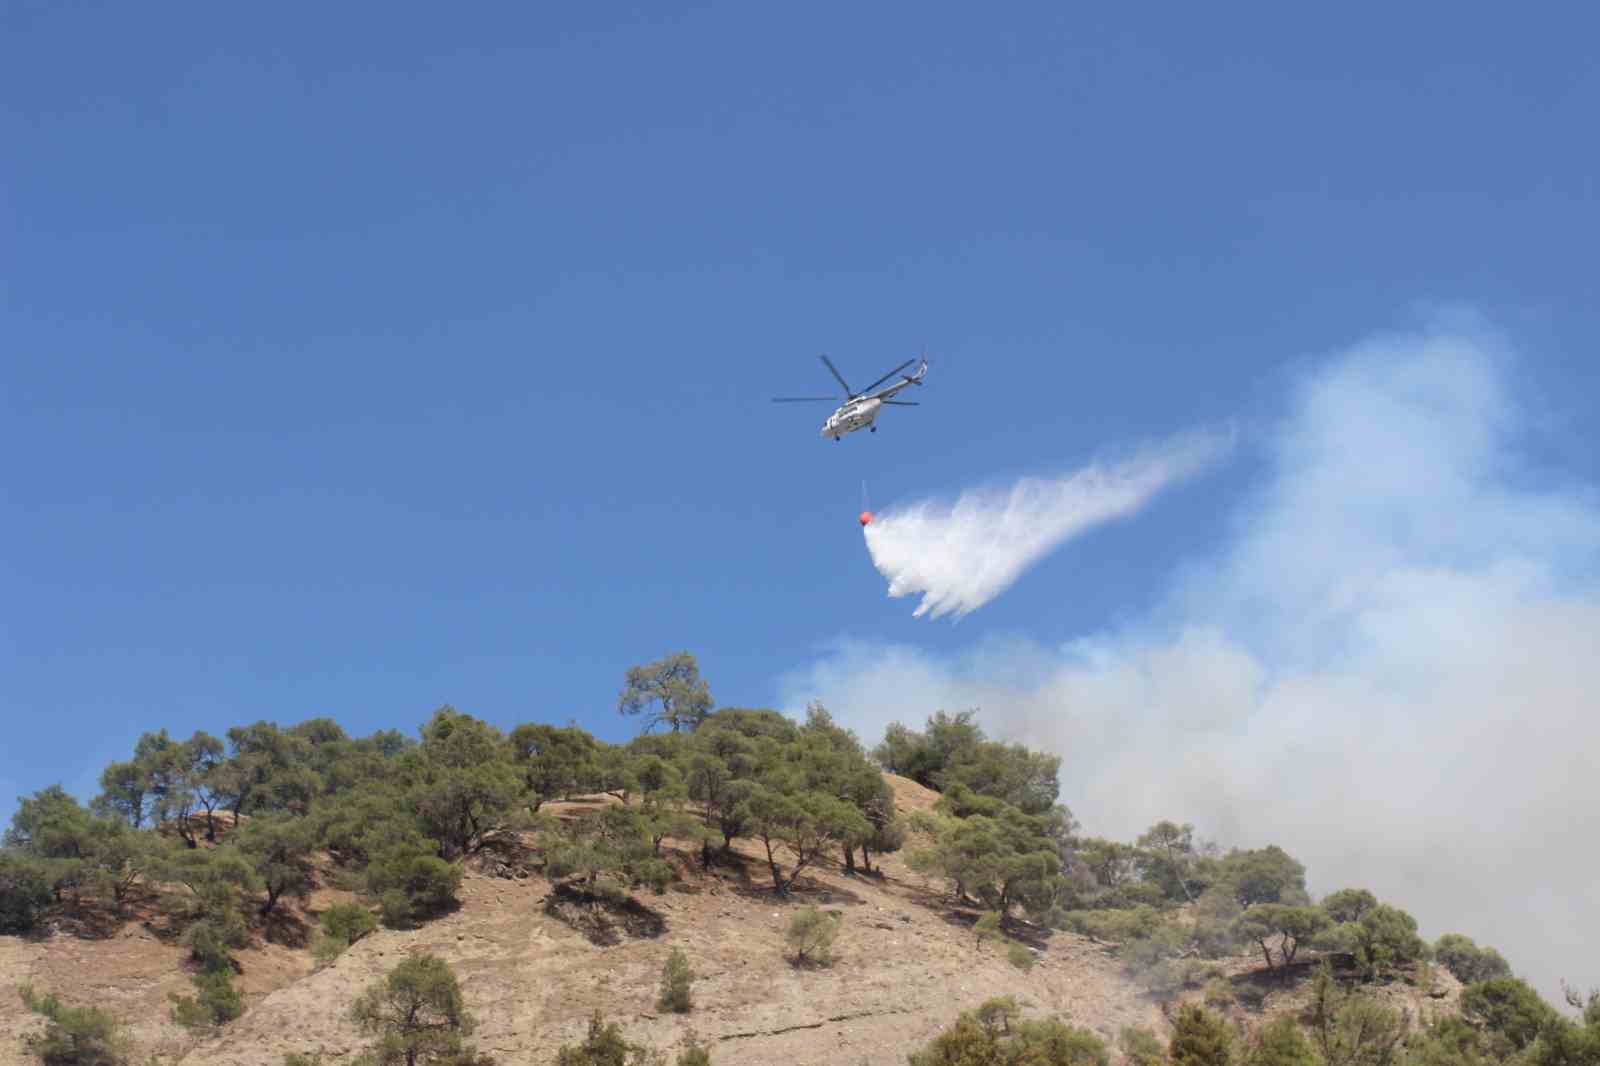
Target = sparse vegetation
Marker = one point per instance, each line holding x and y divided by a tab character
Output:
677	980
993	1035
810	934
605	1046
73	1036
1199	1038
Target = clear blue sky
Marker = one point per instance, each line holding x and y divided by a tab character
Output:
359	358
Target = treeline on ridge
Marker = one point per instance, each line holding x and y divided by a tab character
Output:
219	831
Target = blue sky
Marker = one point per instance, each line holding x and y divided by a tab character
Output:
358	360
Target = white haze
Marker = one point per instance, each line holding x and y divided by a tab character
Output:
1393	670
961	555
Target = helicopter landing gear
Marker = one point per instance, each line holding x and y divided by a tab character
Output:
874	429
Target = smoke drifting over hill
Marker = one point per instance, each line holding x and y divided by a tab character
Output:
961	555
1391	671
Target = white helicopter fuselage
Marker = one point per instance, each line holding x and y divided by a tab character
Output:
857	414
862	411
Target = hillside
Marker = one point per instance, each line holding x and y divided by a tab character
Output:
906	965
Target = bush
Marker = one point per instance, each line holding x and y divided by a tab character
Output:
676	978
1279	1043
1219	994
1140	1047
215	1002
395	909
325	948
24	893
694	1053
1020	956
427	883
810	936
1199	1038
653	872
75	1036
605	1046
348	922
991	1036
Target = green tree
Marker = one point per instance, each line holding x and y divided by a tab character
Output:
672	686
553	762
1166	859
1348	904
1199	1038
677	980
54	830
1352	1030
1265	875
278	848
811	934
1289	926
74	1036
417	1014
1470	963
1382	938
1507	1008
124	790
465	790
1004	858
806	825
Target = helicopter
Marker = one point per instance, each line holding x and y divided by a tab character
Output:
860	409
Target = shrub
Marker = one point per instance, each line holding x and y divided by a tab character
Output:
605	1046
395	909
1279	1043
348	922
1219	993
1019	956
810	936
694	1053
75	1036
215	1002
992	1036
1199	1038
1140	1047
676	978
427	883
325	948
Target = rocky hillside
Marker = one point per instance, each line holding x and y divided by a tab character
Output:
534	968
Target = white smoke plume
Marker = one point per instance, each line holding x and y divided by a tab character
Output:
961	555
1393	670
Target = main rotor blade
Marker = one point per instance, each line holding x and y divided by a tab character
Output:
903	403
838	376
805	399
889	375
